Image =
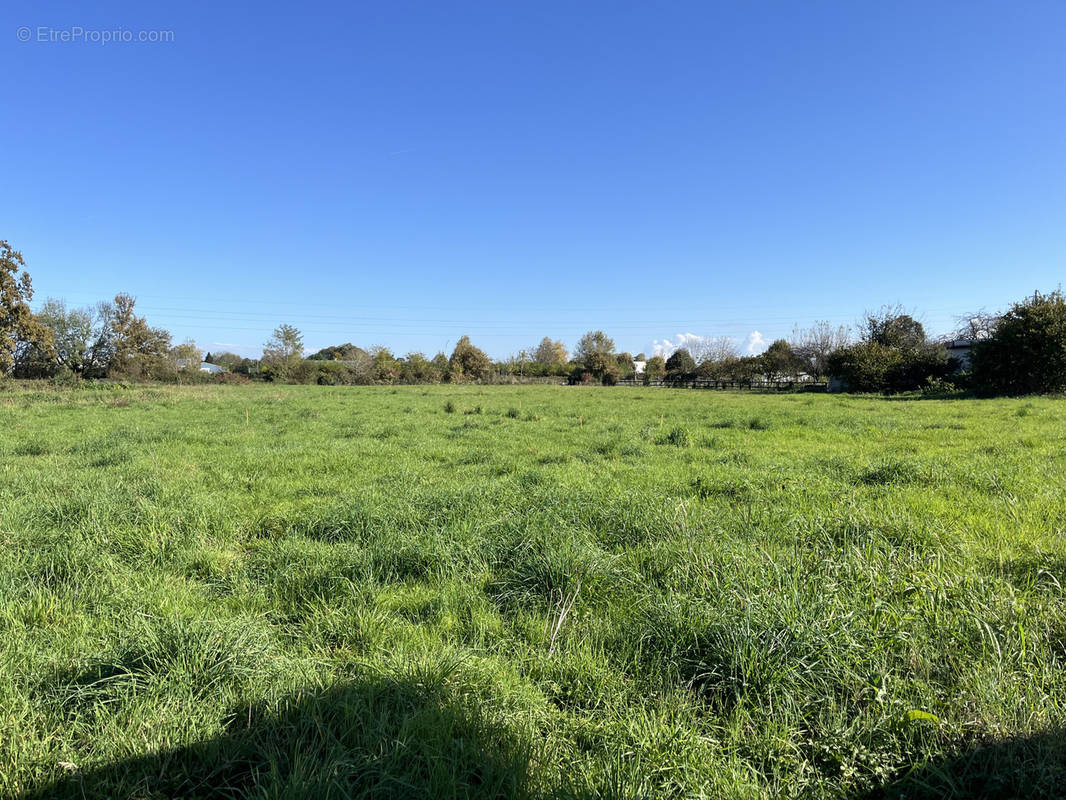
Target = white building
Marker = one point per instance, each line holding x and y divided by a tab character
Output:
959	349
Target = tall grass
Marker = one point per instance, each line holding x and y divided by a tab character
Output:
291	591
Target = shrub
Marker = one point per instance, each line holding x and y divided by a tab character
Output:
893	356
677	436
1026	353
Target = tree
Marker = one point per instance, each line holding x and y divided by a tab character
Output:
680	366
283	353
813	345
891	327
976	326
186	356
655	369
72	333
893	355
386	367
441	364
595	354
549	353
779	361
416	368
137	350
624	362
342	352
468	362
19	328
1026	351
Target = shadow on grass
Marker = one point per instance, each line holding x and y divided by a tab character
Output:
1020	767
384	737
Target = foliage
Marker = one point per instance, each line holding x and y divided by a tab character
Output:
550	353
283	353
893	355
595	356
680	366
655	368
186	356
342	352
468	363
19	328
137	350
812	346
1026	351
780	362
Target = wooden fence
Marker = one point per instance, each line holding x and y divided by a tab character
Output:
707	383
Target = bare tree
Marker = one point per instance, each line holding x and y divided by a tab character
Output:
813	345
979	325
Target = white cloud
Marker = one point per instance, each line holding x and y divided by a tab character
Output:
666	347
755	343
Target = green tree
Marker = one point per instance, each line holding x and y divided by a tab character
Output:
893	355
72	333
441	364
595	354
342	352
779	361
468	363
283	353
387	368
186	356
416	368
655	369
20	330
680	366
1026	351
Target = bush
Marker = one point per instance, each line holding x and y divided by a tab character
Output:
1026	353
894	356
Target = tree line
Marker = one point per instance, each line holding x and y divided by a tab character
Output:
1020	351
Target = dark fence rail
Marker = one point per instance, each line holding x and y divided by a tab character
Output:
707	383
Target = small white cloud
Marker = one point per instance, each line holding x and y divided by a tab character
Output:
666	347
754	344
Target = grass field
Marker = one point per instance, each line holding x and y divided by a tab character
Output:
531	591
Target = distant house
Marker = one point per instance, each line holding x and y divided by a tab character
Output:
214	369
638	367
959	349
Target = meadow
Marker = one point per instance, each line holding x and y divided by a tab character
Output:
301	591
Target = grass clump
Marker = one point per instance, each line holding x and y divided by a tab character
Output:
678	436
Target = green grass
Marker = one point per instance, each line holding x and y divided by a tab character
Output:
539	591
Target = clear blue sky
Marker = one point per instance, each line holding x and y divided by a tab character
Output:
402	173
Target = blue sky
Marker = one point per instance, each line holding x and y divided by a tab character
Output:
402	173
